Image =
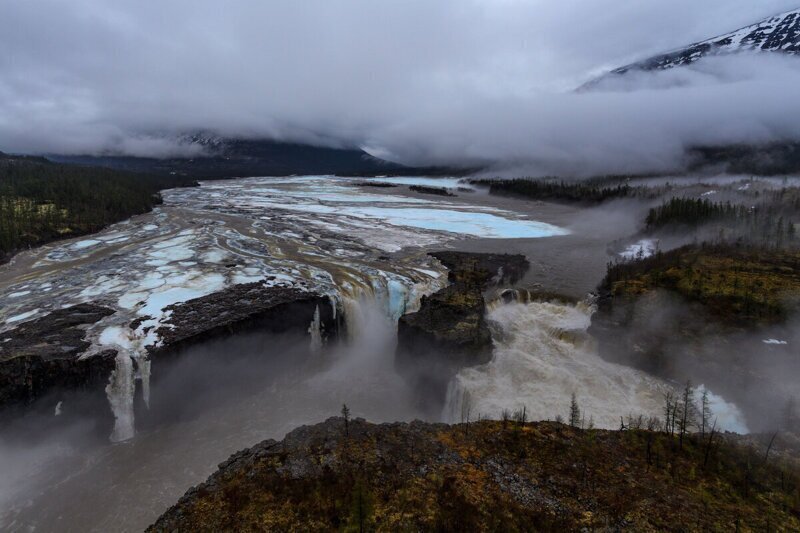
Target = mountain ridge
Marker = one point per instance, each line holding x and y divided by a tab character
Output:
776	34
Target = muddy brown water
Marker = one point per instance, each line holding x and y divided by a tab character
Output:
67	481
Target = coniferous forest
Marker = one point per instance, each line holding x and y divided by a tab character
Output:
41	201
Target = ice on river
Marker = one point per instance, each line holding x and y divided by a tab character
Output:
314	233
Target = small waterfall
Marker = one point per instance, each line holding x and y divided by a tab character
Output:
315	330
121	388
120	391
144	374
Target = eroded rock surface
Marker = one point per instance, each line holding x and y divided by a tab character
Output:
271	309
450	332
43	354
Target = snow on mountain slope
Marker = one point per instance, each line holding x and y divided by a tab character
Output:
780	33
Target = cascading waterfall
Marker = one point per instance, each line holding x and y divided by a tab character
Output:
393	294
315	330
542	355
121	388
120	391
370	307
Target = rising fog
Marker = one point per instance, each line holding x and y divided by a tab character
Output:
487	82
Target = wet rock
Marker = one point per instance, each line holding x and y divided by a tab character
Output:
44	354
450	331
43	357
245	307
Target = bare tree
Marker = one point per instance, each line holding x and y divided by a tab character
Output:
705	412
669	409
346	416
505	416
521	415
688	412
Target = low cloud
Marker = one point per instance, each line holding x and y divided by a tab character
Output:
487	82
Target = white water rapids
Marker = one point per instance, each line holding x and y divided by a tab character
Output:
319	234
542	356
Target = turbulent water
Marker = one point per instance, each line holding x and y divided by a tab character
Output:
542	356
365	250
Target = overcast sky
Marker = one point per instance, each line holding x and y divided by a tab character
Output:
420	81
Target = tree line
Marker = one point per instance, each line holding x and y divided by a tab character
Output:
41	201
771	223
585	192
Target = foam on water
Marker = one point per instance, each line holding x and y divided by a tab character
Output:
542	355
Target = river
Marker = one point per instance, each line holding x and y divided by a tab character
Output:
366	249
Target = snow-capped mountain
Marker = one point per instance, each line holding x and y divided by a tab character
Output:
780	33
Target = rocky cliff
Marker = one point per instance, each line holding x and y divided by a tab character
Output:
490	476
49	355
44	354
450	332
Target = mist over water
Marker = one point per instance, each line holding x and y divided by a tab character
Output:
543	355
211	401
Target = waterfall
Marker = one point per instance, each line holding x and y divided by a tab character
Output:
394	295
315	330
542	355
144	374
121	388
120	391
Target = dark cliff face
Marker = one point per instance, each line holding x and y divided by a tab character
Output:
42	358
245	307
44	354
487	476
450	332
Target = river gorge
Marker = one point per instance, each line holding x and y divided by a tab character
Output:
241	309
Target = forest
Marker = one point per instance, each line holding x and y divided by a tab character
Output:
737	283
42	201
583	192
768	223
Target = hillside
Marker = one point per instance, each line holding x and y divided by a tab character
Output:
42	201
223	158
491	476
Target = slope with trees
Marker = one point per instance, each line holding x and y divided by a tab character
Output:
41	201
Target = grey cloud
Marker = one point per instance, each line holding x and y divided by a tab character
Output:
477	81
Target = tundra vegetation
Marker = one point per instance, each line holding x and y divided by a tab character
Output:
507	475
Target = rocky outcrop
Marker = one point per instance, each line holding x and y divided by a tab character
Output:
487	476
450	332
245	307
44	354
